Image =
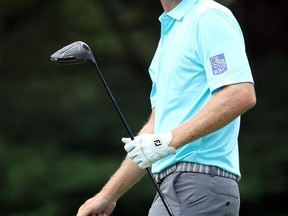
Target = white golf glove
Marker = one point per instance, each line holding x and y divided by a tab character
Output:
146	149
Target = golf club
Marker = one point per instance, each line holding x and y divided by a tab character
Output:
79	52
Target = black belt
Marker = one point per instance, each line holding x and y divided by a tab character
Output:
195	168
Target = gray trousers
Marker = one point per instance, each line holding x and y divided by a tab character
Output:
195	194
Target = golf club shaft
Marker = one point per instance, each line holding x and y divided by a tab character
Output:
132	137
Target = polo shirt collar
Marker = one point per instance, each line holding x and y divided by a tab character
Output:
181	9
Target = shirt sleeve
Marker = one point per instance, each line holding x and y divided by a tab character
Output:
221	49
152	96
153	76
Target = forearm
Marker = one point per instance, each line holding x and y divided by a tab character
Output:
129	173
123	179
223	108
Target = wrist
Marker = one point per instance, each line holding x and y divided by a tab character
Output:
108	195
176	142
169	139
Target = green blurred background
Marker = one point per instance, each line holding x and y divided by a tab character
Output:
59	134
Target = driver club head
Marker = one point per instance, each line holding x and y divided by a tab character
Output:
77	52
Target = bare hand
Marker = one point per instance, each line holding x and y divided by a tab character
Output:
97	206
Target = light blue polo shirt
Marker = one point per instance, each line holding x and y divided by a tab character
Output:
200	50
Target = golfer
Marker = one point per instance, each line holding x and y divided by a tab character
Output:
201	84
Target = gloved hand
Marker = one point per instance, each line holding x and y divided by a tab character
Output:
146	149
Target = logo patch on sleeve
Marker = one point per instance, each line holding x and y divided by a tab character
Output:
218	64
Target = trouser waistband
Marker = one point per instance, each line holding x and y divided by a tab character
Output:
194	168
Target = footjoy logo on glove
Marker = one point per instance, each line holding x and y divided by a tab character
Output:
157	142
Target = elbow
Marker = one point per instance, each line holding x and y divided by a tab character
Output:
244	96
251	101
250	97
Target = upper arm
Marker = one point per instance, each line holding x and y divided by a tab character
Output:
149	126
239	97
